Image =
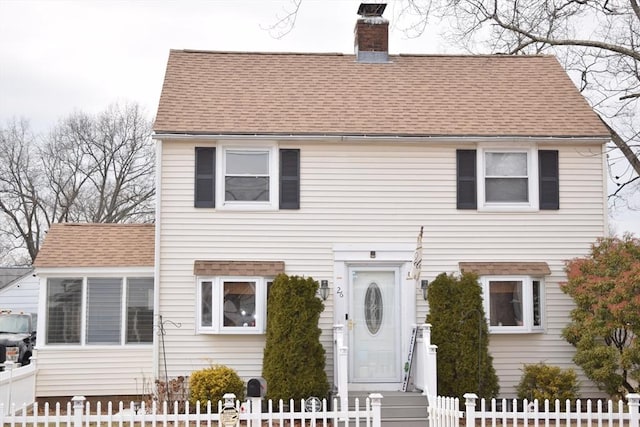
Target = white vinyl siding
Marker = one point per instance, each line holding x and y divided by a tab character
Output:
370	194
94	371
22	295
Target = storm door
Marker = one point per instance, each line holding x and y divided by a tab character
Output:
374	325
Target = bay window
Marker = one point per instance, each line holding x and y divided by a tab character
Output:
230	304
513	304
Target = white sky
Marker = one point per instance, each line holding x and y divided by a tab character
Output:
57	57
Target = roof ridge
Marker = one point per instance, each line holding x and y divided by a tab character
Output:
402	55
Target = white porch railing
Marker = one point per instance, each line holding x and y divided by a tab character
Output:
17	384
424	371
79	413
341	365
426	374
445	412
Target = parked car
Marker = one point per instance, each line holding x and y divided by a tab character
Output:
17	337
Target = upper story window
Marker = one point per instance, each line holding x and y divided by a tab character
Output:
513	304
233	305
492	179
506	177
232	176
99	310
248	178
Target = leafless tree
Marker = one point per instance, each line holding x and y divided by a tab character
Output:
88	169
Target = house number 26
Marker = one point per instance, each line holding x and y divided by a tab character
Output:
339	292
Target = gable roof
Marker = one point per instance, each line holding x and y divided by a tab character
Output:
239	93
97	245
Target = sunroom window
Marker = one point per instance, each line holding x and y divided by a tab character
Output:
99	311
232	305
513	304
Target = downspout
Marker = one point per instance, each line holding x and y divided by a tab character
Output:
156	262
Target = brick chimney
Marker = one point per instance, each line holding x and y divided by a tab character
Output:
372	34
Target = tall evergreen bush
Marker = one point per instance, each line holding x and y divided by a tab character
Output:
459	329
294	359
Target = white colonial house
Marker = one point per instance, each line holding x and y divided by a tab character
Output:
328	165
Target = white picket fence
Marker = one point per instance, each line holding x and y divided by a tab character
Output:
79	413
446	412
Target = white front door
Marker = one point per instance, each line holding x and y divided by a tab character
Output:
374	325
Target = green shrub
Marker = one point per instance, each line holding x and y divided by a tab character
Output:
212	383
542	382
459	329
294	359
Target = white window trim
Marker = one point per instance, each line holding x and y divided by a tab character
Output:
532	175
218	310
527	304
42	338
274	177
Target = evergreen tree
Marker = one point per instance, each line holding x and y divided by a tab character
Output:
294	359
459	329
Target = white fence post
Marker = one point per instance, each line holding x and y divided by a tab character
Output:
376	407
470	406
256	411
633	400
78	407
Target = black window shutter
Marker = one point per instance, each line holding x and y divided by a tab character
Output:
205	179
548	179
289	179
466	179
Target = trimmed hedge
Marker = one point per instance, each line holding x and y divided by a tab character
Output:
212	383
294	359
541	381
459	329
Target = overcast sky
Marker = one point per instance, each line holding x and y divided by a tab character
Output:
57	57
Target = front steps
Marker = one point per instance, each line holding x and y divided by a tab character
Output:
398	408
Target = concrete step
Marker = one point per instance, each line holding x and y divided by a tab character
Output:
398	408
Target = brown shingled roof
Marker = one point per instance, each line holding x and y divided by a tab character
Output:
237	268
332	94
97	245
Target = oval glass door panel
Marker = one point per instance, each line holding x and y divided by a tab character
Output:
373	308
374	333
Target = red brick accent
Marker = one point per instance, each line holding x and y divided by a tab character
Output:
371	36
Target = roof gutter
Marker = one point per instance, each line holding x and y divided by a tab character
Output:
384	138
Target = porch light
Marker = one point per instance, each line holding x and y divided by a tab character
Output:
324	289
423	285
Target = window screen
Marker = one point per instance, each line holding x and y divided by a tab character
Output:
104	310
64	306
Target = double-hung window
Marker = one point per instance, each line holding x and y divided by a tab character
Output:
247	177
507	179
513	304
99	310
233	305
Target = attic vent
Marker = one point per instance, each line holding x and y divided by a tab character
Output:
372	34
